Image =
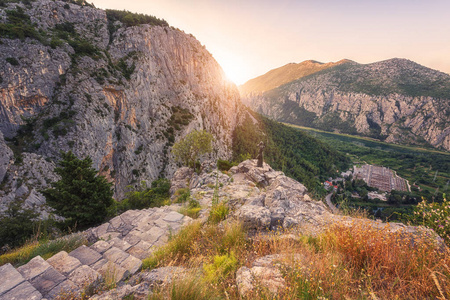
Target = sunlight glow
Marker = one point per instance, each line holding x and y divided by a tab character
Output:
234	67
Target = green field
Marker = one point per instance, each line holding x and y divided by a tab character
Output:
427	169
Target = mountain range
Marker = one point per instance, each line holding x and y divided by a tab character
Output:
395	100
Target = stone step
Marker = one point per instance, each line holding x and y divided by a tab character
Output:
123	259
64	263
10	279
47	281
84	276
86	255
33	268
23	291
111	271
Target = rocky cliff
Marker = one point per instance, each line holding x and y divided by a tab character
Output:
396	101
78	78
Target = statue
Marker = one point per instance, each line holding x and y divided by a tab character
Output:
260	155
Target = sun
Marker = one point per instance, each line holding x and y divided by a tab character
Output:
234	68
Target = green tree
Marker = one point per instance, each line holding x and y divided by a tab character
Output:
81	195
17	225
192	146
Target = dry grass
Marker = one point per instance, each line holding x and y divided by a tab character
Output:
360	261
344	262
46	249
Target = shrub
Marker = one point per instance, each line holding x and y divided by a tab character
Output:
133	19
192	210
179	246
17	225
12	61
81	195
146	197
192	146
220	268
224	165
218	212
435	216
182	195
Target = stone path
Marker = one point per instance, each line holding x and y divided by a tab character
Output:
120	245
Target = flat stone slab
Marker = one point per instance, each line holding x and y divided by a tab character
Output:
86	255
33	268
10	278
152	235
101	230
112	272
64	263
66	290
131	215
173	216
119	243
84	276
131	239
116	255
98	265
110	235
24	291
138	252
132	264
116	222
101	246
46	281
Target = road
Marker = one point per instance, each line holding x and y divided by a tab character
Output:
333	208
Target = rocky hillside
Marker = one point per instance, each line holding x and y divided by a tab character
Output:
119	87
264	245
396	100
287	73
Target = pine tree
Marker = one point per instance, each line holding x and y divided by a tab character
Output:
81	195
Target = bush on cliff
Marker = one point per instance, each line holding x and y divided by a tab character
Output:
145	197
17	225
81	195
189	149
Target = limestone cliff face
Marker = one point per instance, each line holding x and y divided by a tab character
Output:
396	100
120	94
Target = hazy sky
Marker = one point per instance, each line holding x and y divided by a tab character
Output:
250	37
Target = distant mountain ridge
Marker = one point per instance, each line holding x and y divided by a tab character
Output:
285	74
395	100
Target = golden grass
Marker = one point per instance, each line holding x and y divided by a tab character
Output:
344	262
45	249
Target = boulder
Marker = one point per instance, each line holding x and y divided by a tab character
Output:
264	272
254	217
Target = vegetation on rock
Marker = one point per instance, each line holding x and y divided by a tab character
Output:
81	196
145	197
434	215
189	149
356	261
17	225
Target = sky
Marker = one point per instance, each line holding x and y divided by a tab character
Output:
250	37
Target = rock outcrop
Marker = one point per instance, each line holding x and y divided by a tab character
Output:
262	199
119	94
397	101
